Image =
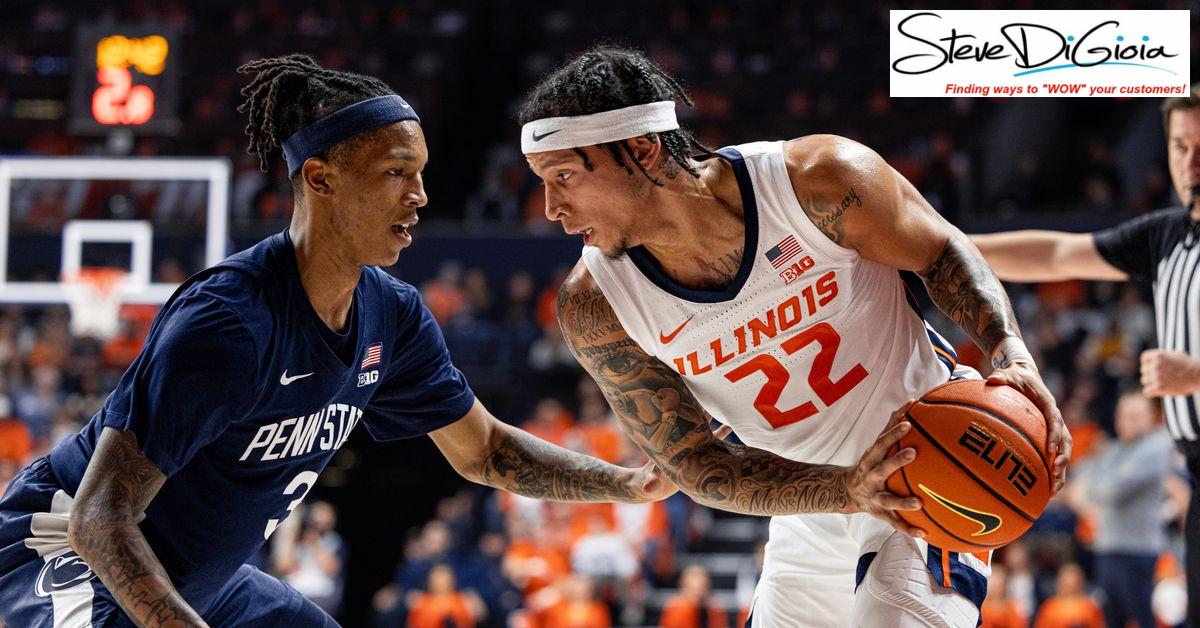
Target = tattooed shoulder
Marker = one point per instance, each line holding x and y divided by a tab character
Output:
586	318
825	176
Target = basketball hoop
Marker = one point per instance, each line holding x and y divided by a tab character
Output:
94	295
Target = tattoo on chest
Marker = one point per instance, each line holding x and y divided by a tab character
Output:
711	273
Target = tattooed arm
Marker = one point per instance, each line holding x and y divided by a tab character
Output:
861	203
488	451
662	417
116	488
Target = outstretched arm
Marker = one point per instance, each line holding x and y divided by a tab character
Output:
890	223
1033	255
486	450
662	417
116	488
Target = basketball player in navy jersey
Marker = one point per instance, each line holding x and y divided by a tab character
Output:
252	376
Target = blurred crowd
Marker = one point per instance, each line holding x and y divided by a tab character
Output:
493	559
756	70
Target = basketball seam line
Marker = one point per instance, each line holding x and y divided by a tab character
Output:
960	465
928	515
1036	450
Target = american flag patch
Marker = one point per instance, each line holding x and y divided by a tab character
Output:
373	354
779	254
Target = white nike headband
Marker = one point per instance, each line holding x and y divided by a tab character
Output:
549	134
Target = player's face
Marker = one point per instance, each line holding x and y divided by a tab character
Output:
1183	150
600	204
379	192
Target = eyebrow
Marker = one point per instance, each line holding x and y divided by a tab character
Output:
557	161
402	155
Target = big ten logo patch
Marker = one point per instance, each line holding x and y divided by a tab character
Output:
368	378
793	272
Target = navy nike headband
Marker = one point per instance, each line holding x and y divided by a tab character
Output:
342	125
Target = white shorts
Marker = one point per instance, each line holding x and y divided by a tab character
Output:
827	570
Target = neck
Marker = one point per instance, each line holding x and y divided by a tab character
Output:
695	228
327	274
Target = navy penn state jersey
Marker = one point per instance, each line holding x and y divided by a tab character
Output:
240	402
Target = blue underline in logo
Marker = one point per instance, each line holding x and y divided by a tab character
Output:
1072	65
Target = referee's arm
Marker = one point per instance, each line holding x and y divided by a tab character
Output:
1030	256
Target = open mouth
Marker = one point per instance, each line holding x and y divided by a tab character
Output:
401	231
587	233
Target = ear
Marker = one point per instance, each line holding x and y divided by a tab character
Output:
317	176
648	152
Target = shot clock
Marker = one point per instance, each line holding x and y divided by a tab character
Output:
125	76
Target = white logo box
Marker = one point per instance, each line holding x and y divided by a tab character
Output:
1097	53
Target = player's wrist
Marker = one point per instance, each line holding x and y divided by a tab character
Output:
846	479
634	480
1009	351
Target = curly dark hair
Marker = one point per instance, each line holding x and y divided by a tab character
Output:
290	93
607	78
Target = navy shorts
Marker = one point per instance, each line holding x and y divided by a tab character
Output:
45	584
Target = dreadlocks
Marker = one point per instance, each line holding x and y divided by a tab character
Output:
608	78
290	93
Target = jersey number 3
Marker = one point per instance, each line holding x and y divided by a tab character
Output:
777	375
305	479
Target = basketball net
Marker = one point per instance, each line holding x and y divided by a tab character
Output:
94	296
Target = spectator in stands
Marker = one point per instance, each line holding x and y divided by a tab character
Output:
532	563
16	443
314	562
443	606
578	607
37	406
1125	482
999	610
1023	583
1071	606
693	606
443	295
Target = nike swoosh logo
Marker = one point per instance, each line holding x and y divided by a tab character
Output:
667	338
988	522
284	380
538	138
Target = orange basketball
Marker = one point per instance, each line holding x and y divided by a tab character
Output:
981	471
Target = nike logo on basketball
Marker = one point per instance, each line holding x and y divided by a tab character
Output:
538	138
284	380
667	338
988	522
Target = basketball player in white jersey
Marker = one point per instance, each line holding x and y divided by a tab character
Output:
759	286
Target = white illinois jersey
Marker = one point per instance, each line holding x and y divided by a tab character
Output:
808	351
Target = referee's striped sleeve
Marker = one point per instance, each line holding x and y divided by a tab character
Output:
1135	246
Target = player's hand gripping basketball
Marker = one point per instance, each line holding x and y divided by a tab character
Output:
1025	378
866	481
